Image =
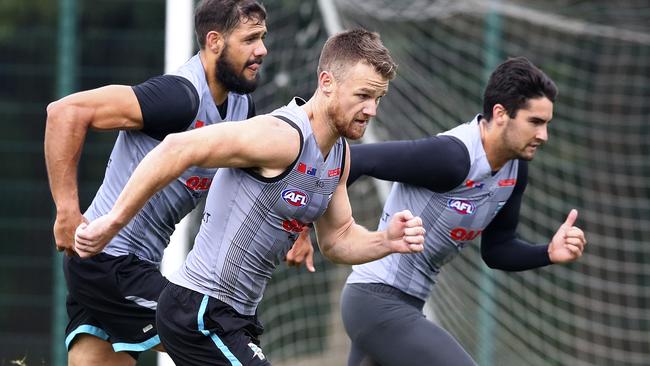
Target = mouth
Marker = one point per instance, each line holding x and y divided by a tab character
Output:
254	65
533	146
253	68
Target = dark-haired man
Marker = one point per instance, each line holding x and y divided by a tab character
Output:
113	296
464	183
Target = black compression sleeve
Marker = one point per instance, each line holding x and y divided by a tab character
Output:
500	248
169	104
438	163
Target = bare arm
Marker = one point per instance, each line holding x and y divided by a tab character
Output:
343	241
263	142
68	120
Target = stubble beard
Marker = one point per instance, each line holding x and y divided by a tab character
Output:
514	151
343	128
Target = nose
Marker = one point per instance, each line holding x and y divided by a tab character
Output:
542	133
370	108
260	50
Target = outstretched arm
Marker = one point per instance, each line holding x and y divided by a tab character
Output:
68	120
501	249
343	241
438	163
263	142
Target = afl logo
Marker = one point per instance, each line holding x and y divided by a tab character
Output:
461	206
295	197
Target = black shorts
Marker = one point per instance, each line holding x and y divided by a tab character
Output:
115	299
197	329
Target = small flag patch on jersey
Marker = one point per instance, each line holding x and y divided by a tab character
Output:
471	184
304	169
199	124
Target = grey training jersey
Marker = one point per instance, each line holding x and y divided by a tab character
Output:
451	219
250	222
148	233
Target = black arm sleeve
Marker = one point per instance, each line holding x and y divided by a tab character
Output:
168	103
500	248
439	163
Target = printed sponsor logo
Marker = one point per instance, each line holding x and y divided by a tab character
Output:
463	207
463	234
257	351
334	172
199	124
147	328
197	183
292	226
304	169
295	197
471	184
507	182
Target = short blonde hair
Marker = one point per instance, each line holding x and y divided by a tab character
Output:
348	48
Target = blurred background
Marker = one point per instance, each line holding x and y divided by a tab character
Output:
593	312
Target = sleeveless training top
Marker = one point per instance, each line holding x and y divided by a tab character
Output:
250	222
451	219
148	233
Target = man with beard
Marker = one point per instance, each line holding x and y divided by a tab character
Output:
113	296
471	183
279	172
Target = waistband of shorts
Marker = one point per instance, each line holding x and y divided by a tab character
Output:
396	293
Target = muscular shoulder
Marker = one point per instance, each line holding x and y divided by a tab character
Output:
169	104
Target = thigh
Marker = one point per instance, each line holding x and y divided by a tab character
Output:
389	331
416	342
120	294
191	337
81	322
88	350
359	358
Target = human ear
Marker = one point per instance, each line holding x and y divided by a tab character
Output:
499	114
214	42
326	82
